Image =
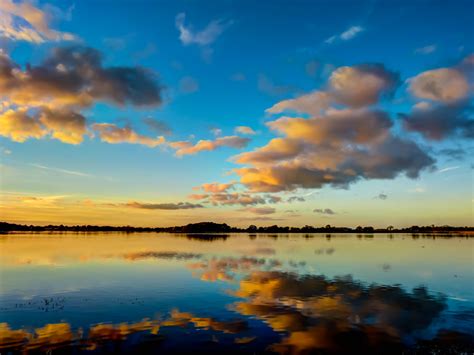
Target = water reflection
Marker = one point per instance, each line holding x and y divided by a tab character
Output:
257	295
339	315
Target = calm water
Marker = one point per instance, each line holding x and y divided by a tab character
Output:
158	293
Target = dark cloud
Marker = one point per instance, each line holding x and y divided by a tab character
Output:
164	206
381	196
320	165
324	211
453	153
296	198
157	126
273	198
75	76
50	95
337	316
440	121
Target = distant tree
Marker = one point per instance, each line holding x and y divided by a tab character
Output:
390	228
252	228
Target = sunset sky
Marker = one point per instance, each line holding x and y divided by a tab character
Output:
159	113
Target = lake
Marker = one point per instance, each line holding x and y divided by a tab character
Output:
237	293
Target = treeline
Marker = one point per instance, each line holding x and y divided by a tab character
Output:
210	227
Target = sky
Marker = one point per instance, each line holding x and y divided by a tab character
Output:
160	113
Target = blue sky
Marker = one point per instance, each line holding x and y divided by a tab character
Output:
219	65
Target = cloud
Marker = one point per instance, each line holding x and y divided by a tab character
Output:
259	210
273	198
113	134
444	84
453	153
157	126
163	206
336	149
234	198
296	199
198	196
65	125
188	85
63	171
22	21
216	187
381	196
348	34
356	86
187	148
327	211
46	99
216	131
244	130
449	168
334	146
19	126
204	37
267	86
440	121
75	76
449	110
426	50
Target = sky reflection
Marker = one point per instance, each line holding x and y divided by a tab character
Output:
283	294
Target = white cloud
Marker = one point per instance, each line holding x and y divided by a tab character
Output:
426	50
449	168
348	34
204	37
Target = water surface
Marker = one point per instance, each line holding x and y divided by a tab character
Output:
238	293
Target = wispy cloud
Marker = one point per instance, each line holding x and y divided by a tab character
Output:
63	171
188	85
267	86
426	50
259	210
204	37
348	34
163	206
449	168
187	148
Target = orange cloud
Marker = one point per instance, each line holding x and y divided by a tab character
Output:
216	187
19	126
113	134
38	29
187	148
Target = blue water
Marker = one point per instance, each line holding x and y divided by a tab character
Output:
282	293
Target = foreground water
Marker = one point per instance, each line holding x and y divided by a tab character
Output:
162	293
